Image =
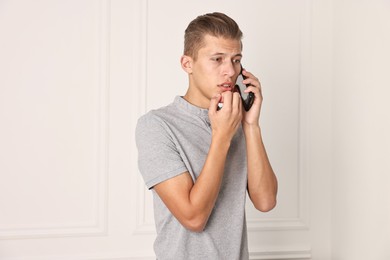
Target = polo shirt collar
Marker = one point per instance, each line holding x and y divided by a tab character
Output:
184	104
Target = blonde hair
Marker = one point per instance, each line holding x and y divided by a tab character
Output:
214	24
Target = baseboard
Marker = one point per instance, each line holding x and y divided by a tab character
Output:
282	254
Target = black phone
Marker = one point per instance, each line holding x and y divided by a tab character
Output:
247	98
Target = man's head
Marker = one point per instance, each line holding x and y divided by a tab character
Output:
213	24
212	57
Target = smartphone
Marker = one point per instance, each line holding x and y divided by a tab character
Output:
247	98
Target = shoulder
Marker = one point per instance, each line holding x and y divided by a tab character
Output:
154	119
147	120
155	125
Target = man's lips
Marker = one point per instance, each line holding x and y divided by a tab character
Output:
227	86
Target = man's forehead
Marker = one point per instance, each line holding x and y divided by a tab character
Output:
221	46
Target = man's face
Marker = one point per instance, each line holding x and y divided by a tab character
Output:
215	70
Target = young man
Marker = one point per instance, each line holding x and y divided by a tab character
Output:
200	160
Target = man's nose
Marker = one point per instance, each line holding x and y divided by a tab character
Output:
229	69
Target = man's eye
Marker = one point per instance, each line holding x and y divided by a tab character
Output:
236	61
217	59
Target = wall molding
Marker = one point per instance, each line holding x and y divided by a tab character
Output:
98	225
301	222
282	254
140	29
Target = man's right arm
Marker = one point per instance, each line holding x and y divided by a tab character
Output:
192	203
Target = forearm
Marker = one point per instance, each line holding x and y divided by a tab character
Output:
205	191
262	182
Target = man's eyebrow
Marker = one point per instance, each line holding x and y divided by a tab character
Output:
225	54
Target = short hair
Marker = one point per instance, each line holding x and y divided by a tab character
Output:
214	24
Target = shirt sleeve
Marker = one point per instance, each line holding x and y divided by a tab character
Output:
158	156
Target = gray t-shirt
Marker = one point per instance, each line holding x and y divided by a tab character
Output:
173	140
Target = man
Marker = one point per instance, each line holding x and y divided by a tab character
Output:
199	159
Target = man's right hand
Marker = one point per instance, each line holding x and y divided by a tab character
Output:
226	121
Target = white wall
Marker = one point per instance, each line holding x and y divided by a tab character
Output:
361	127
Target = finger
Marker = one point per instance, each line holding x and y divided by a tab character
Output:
252	88
256	91
249	75
227	99
251	79
252	82
236	103
214	102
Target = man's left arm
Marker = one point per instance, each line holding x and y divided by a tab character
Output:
262	182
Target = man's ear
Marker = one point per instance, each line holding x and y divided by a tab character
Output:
186	63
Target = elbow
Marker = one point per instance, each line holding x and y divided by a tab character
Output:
264	201
195	224
266	206
195	228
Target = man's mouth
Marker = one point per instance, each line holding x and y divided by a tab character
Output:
227	86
